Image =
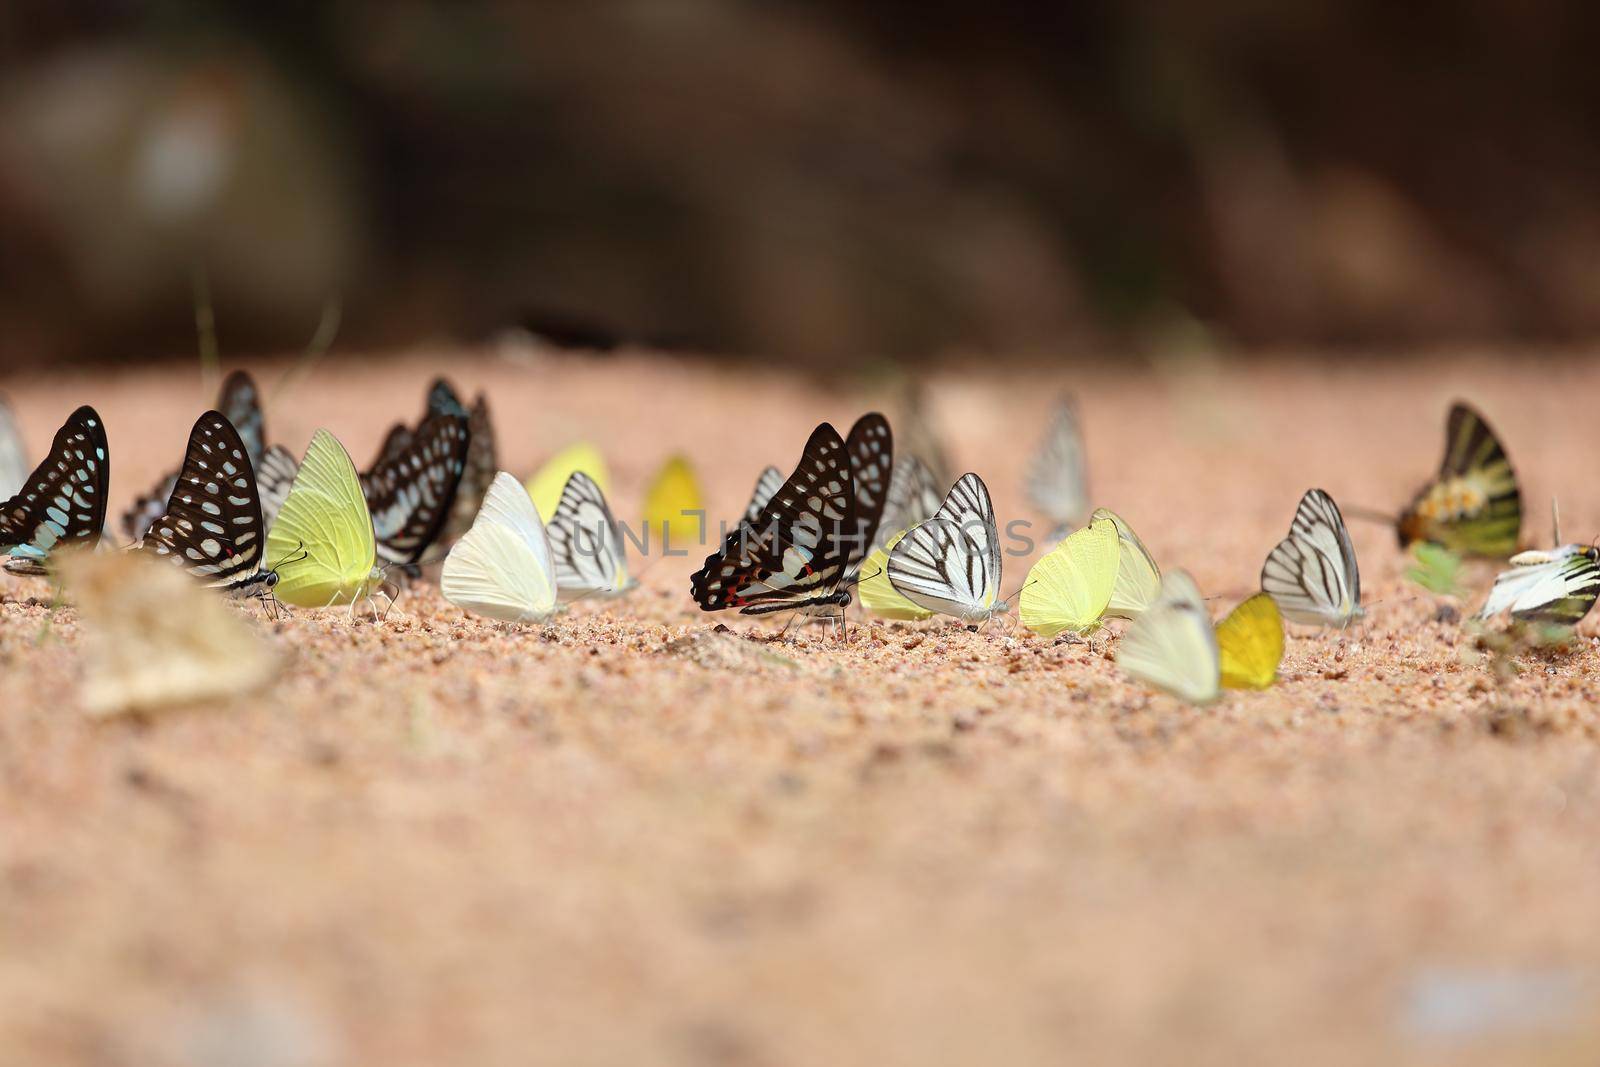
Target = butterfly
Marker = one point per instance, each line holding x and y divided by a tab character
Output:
550	480
870	446
212	525
586	543
769	482
482	461
672	503
1070	587
14	464
913	498
239	401
1172	646
1557	586
322	546
502	566
154	641
1473	505
794	555
878	596
1138	577
409	494
950	564
1312	573
1250	644
62	503
1057	482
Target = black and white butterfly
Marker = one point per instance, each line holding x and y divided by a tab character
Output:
62	503
769	482
871	450
914	497
239	401
14	466
795	553
1557	586
410	493
212	525
950	563
274	478
586	544
1312	573
482	458
1058	484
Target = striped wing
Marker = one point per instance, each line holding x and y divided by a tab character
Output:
871	449
274	479
63	501
212	524
1556	587
14	466
1058	484
913	498
1312	573
951	563
1172	646
410	493
240	403
770	482
586	543
793	555
1474	505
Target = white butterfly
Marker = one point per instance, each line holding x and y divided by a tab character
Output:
589	555
501	568
1172	644
770	482
951	562
14	465
1556	586
1312	574
913	498
1058	484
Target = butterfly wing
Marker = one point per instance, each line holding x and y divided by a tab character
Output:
410	494
913	498
770	481
1057	482
672	503
1474	505
239	401
878	596
63	501
482	462
951	563
501	567
550	481
1250	644
1071	585
443	400
14	467
1312	573
586	544
321	545
871	449
396	441
274	478
212	525
1138	577
1172	646
794	552
1556	587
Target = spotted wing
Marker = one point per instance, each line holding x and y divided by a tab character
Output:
586	543
871	450
410	494
212	525
951	562
240	403
63	501
1312	573
794	552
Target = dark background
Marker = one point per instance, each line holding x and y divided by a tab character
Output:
830	181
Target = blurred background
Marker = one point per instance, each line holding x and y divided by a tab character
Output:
831	181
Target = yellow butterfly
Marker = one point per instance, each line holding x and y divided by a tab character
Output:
546	485
321	544
1250	644
1138	577
882	598
1071	585
673	505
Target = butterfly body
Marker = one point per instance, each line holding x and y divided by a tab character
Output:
62	503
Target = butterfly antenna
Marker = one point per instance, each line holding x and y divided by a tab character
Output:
1355	511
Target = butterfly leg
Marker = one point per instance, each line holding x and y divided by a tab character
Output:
792	616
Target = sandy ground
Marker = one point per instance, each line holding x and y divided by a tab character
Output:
631	837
